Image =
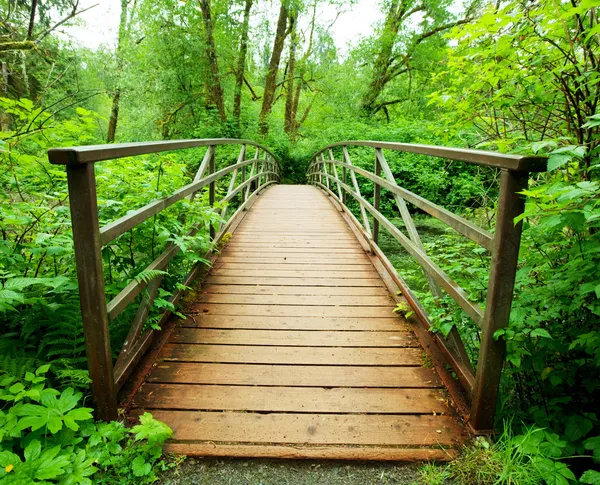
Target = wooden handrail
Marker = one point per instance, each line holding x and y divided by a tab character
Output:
99	153
89	238
517	163
481	384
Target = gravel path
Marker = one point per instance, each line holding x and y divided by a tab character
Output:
205	471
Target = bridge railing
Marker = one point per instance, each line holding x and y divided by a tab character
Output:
331	175
254	174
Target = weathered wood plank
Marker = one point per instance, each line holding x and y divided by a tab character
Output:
295	323
196	397
293	375
357	273
346	291
292	355
297	300
315	452
275	281
345	429
291	310
284	338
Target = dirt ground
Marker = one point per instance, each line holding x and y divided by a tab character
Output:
210	471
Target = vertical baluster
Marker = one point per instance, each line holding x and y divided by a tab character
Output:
505	254
325	170
363	212
211	192
243	192
376	200
210	152
335	173
345	180
88	256
232	182
252	173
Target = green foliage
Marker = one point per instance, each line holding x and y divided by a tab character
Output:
47	437
531	457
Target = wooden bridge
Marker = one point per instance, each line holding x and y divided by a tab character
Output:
290	347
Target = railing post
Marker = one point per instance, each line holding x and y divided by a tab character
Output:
345	180
88	256
211	191
505	254
243	195
376	200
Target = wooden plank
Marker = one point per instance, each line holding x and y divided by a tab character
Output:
284	338
254	267
296	452
293	375
302	256
324	262
355	292
196	397
275	281
291	355
291	310
345	252
346	429
237	299
295	323
263	246
369	273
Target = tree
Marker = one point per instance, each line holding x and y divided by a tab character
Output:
114	112
396	46
519	76
215	89
271	80
241	65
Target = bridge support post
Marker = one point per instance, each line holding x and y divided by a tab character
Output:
88	256
505	254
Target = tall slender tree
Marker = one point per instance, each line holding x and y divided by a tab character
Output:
241	65
114	112
214	87
271	80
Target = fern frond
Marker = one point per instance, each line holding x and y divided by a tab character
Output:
148	275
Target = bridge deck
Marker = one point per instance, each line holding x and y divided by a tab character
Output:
292	350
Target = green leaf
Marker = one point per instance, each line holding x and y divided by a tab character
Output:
590	477
577	427
140	467
540	332
593	444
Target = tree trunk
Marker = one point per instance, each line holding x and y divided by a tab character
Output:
32	19
270	83
383	60
299	73
114	112
214	84
290	113
114	117
241	68
4	117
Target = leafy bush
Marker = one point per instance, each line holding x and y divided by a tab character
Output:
47	437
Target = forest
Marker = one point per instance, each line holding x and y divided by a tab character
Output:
513	76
